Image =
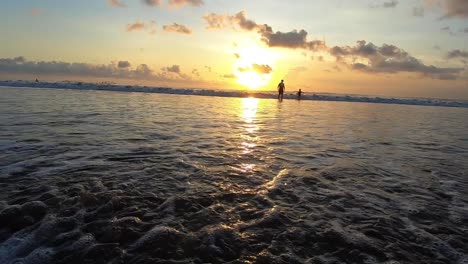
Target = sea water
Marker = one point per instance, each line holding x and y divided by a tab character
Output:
121	177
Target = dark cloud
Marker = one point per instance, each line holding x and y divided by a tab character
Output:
195	72
20	65
418	11
244	23
116	3
123	64
454	54
143	70
388	59
262	68
23	66
180	3
152	2
173	69
293	39
177	28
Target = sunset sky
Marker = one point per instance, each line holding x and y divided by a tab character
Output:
414	48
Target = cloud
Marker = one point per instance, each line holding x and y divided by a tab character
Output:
152	2
448	30
451	8
418	11
215	21
137	26
262	69
21	65
454	54
123	64
116	3
386	4
180	3
370	58
293	39
142	26
243	69
115	70
173	69
390	4
35	12
456	8
229	76
365	57
177	28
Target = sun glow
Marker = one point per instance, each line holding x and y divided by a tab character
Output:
254	66
252	79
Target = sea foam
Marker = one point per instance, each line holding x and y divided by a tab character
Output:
234	93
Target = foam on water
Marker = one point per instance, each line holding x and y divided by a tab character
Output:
101	177
230	93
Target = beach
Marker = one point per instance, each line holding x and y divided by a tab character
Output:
126	177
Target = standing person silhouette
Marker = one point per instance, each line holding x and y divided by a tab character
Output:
299	93
281	88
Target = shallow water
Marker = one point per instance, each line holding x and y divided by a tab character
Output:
108	177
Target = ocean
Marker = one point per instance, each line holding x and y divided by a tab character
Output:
128	177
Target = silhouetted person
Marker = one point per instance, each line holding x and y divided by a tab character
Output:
281	88
37	80
299	93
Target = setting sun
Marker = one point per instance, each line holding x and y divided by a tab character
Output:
253	66
252	79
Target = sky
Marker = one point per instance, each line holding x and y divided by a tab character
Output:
402	48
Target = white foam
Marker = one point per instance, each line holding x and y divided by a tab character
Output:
230	93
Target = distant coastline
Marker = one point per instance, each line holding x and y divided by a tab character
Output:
229	93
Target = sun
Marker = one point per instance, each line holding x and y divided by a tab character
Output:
253	67
252	79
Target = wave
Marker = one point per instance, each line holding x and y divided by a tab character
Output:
231	93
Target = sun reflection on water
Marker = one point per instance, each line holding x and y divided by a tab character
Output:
249	108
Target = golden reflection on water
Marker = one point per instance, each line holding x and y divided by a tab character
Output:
249	107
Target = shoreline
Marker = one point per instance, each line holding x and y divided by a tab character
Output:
234	94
